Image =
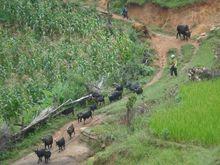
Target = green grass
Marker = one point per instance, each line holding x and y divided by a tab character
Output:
196	118
136	149
167	3
117	5
186	53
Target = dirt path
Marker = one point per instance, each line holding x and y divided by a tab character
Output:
75	152
162	44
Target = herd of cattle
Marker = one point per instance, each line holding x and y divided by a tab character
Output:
48	142
99	100
182	31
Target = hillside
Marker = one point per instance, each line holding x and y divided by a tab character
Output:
52	56
41	63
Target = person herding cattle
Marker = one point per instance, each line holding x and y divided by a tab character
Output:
184	31
125	12
173	65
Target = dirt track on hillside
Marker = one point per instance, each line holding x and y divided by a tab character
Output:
75	152
162	44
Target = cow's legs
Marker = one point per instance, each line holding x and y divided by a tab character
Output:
177	35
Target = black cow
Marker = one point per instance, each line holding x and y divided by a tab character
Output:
133	87
40	154
116	95
43	153
95	94
61	144
83	102
93	107
98	98
86	115
136	88
118	87
79	116
70	130
68	111
47	155
183	30
48	141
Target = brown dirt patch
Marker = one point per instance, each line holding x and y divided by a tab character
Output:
200	16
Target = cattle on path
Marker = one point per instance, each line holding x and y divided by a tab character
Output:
184	31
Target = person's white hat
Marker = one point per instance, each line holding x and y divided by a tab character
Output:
172	56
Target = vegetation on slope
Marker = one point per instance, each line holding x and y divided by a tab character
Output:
166	3
49	48
137	145
50	52
196	117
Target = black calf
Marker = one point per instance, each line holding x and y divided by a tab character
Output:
70	130
68	111
40	154
48	141
93	107
86	115
61	144
79	116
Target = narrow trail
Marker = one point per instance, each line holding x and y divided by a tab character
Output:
160	42
76	151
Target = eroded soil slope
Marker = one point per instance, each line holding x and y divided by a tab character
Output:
201	16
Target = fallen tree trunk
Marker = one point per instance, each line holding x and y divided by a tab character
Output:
43	116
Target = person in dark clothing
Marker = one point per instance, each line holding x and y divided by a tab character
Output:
173	67
125	12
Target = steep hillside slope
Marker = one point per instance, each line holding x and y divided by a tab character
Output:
110	140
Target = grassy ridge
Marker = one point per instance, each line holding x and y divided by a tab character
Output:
167	3
117	5
196	118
